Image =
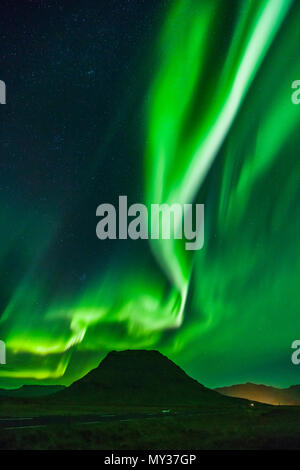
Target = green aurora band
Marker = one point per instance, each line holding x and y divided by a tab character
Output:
220	130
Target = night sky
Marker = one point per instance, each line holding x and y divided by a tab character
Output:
165	101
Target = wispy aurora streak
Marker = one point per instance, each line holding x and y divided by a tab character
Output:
180	161
221	130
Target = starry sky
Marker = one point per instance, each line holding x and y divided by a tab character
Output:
165	101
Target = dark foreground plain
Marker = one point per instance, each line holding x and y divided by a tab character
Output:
255	427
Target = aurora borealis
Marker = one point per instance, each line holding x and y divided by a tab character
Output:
181	101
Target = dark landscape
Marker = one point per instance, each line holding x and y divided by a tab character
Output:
141	400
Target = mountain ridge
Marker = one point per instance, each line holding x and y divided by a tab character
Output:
263	393
30	391
140	377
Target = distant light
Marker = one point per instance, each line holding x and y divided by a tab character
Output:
251	404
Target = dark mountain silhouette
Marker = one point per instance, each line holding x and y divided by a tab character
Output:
28	391
138	377
264	393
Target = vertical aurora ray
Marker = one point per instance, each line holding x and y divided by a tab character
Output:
178	160
220	130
